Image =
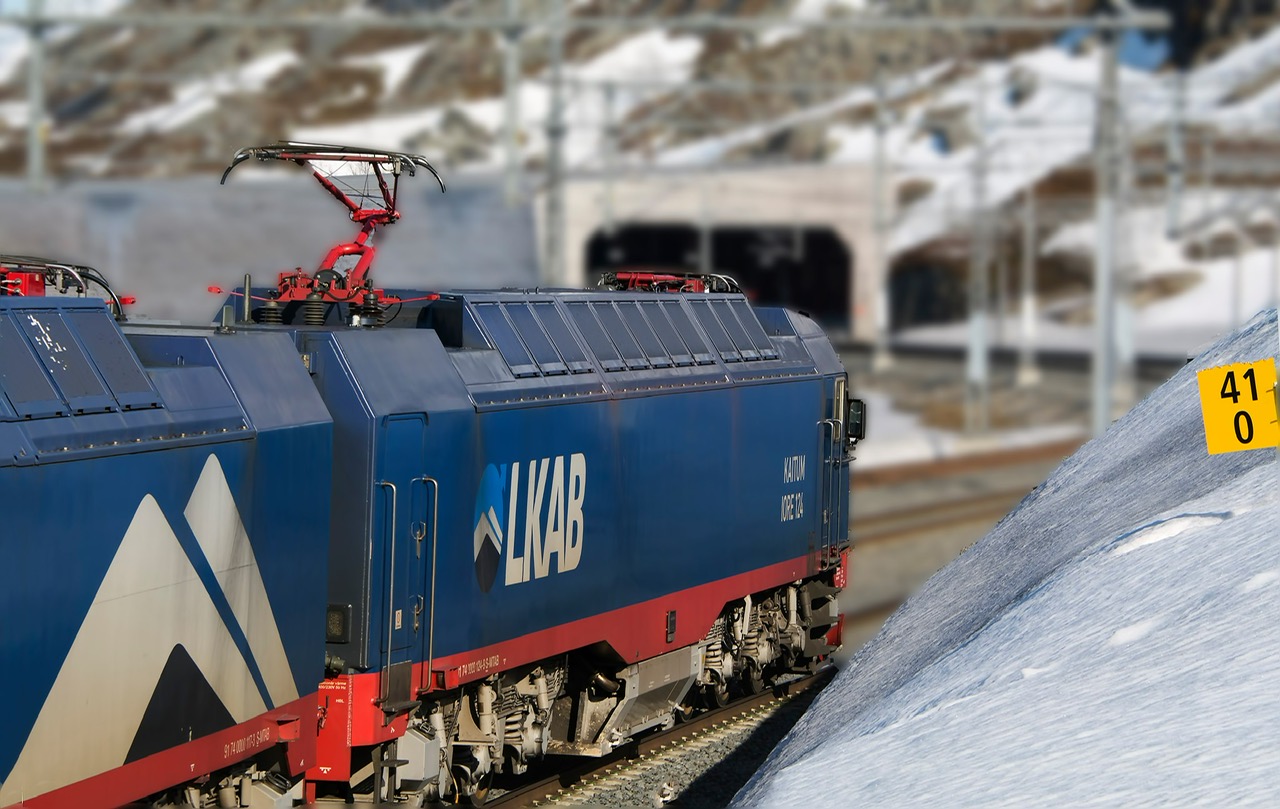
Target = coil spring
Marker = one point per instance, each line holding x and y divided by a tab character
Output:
371	310
751	643
313	310
714	657
271	313
513	727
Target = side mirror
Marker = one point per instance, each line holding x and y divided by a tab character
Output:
856	428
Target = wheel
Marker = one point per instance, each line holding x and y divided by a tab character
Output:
421	799
480	795
752	680
715	695
685	711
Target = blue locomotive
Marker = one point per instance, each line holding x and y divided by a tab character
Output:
398	541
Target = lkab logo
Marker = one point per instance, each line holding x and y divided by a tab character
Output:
529	519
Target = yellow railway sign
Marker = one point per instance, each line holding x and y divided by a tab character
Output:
1238	403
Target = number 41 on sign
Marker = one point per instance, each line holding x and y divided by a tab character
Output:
1238	403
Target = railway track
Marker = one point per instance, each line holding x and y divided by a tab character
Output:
986	508
961	465
648	760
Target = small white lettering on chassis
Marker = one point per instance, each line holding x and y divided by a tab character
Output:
252	741
480	665
792	506
793	469
793	472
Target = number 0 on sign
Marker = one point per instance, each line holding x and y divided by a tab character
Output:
1239	406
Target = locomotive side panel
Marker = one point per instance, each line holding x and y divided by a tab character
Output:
163	600
488	515
261	561
589	508
395	400
530	504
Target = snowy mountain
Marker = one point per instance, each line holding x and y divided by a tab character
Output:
121	98
1111	642
160	102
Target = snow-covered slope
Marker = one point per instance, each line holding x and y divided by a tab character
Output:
163	102
653	56
1054	126
1113	641
13	40
1048	130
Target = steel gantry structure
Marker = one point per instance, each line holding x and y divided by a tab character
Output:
550	17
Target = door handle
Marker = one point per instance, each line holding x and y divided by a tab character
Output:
434	485
391	583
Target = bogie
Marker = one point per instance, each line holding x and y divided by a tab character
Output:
577	705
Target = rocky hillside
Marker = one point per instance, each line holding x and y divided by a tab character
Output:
160	101
140	101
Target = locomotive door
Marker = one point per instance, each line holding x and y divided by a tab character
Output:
832	453
405	505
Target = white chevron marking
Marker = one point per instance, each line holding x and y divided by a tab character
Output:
215	520
149	601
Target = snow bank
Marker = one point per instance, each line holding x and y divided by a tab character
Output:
193	99
1055	126
654	55
395	63
14	40
852	145
1112	641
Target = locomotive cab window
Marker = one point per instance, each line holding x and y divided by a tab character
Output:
840	409
65	362
719	337
505	339
621	337
123	375
531	333
688	332
574	355
666	333
604	349
21	377
753	330
850	412
644	335
736	332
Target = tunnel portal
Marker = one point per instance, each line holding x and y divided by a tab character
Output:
802	267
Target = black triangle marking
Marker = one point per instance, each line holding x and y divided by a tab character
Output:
487	562
183	707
